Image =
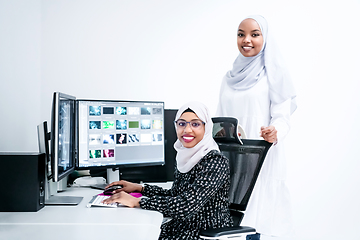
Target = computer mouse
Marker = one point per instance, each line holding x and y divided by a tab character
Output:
109	191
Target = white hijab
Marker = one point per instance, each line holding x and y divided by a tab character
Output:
187	158
248	70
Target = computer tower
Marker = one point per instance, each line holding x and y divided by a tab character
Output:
22	182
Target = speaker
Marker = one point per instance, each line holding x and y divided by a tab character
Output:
22	182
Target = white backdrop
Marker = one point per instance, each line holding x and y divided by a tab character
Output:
177	51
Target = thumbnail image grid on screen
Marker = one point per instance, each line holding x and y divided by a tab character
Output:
119	133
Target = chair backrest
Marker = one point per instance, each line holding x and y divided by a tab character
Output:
225	130
246	160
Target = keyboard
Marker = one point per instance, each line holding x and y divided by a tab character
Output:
96	201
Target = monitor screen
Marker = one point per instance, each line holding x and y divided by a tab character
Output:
119	133
160	173
62	136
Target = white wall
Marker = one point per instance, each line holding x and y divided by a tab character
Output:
20	70
176	51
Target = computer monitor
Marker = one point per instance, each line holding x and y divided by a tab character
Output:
118	134
62	136
60	153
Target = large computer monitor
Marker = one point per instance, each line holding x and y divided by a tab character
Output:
118	134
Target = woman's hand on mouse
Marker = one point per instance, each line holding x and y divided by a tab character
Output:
269	134
126	186
123	198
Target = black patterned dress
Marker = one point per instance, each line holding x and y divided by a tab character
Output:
197	200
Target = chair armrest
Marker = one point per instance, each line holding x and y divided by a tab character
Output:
226	232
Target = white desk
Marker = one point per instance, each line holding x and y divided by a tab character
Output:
80	222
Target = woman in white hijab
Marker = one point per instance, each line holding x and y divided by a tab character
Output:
198	198
259	93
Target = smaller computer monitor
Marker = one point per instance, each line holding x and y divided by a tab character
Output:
59	148
62	136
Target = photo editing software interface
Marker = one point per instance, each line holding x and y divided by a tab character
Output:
120	133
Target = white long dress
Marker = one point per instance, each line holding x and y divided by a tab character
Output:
269	208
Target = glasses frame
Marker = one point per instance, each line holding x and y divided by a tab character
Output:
186	123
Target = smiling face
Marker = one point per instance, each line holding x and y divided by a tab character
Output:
189	136
250	39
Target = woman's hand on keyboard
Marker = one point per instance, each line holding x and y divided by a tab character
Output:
126	186
123	198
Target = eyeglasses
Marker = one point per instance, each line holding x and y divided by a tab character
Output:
194	124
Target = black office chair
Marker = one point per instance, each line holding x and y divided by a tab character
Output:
246	159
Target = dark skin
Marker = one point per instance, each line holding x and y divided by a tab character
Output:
122	195
269	134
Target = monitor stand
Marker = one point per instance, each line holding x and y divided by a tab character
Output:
50	199
113	175
63	200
